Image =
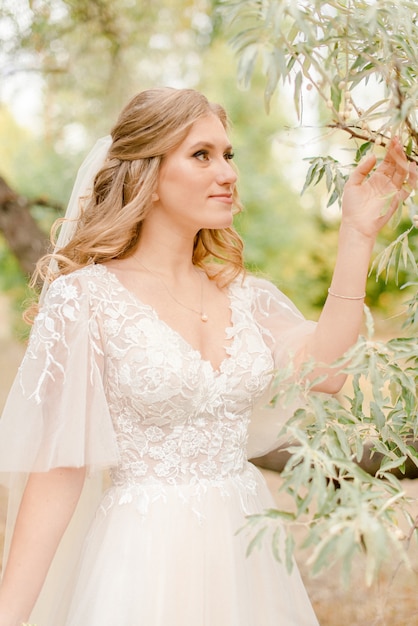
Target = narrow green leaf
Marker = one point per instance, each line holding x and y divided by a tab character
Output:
290	547
297	93
256	540
362	151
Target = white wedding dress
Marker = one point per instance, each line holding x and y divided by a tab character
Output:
105	383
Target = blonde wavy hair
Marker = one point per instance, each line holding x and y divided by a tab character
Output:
151	125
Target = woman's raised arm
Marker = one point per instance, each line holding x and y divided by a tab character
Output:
369	201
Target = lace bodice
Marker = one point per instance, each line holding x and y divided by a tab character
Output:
115	385
176	419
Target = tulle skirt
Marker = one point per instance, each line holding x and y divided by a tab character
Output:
173	556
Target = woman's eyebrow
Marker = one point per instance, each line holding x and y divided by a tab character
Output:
208	145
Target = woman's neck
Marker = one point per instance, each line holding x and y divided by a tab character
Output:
169	256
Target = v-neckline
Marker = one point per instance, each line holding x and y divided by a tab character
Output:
229	330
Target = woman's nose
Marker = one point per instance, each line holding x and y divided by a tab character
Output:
226	174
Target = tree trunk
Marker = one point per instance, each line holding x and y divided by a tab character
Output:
23	235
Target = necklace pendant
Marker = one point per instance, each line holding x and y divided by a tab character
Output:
204	317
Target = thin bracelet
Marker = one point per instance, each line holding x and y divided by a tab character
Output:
337	295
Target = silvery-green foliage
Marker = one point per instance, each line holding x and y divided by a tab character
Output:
335	46
343	50
344	509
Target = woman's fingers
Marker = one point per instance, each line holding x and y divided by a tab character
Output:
362	170
410	182
373	194
394	174
395	164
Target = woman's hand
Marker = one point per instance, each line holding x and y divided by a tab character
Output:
370	201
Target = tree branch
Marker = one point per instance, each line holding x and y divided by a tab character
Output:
23	235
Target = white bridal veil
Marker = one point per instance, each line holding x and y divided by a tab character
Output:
82	187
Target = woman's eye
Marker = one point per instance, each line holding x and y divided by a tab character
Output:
202	155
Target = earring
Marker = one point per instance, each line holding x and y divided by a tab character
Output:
155	197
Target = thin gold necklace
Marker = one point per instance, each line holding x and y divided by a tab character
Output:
203	316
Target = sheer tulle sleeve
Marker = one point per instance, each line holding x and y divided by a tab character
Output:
56	413
285	331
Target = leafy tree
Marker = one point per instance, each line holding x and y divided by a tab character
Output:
360	57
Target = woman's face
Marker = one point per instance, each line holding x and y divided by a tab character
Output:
196	180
